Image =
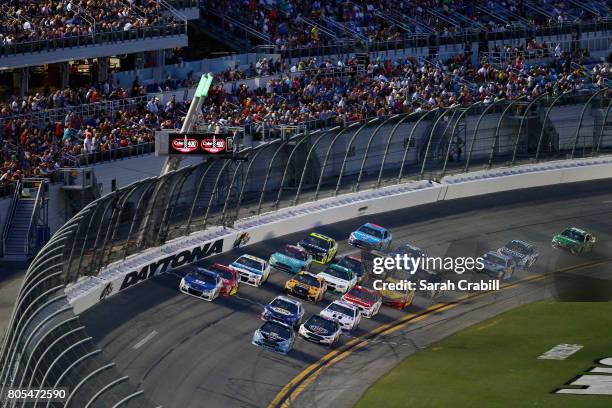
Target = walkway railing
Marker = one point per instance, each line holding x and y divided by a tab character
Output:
46	45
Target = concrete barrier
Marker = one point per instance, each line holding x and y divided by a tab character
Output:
199	245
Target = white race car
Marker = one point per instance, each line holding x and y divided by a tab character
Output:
347	315
338	279
252	270
320	330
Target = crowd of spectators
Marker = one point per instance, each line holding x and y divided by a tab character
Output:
308	23
388	87
37	150
32	20
311	90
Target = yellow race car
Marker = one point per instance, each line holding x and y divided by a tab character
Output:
322	248
396	294
306	285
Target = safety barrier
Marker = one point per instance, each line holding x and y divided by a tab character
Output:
200	245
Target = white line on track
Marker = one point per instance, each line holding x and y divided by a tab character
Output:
144	340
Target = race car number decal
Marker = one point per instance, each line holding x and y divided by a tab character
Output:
185	145
213	145
318	329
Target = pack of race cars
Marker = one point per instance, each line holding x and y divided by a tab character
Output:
285	314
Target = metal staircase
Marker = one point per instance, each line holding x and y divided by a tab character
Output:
26	227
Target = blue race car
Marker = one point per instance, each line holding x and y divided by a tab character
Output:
291	259
371	236
202	283
275	336
284	310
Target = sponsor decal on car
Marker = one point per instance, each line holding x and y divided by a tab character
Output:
174	261
281	311
318	329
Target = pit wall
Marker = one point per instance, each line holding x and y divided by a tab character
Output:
121	275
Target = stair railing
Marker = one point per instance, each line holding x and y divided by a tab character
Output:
29	246
9	217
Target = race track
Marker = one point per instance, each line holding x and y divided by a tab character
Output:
185	352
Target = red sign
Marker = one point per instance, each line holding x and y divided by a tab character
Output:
213	145
183	145
201	143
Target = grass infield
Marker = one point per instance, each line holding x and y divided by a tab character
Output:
495	363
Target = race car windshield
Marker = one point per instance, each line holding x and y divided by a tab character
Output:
224	273
363	294
335	307
203	276
351	264
316	320
495	259
281	331
516	246
283	304
573	235
318	242
338	273
294	253
308	280
250	263
411	251
371	231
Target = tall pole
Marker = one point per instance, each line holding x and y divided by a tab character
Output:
173	162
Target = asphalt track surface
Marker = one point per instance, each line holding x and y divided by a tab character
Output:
185	352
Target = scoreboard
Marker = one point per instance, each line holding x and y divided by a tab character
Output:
207	144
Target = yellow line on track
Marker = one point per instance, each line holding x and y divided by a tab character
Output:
301	381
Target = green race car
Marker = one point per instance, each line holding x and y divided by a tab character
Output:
574	240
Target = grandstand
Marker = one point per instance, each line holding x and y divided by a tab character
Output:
326	97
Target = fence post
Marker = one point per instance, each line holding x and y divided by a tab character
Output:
210	163
299	189
584	108
544	122
280	189
410	137
448	150
603	126
212	195
433	128
467	163
331	145
499	122
265	184
367	151
382	164
348	150
248	171
518	134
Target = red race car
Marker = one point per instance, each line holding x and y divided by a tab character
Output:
229	277
367	300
